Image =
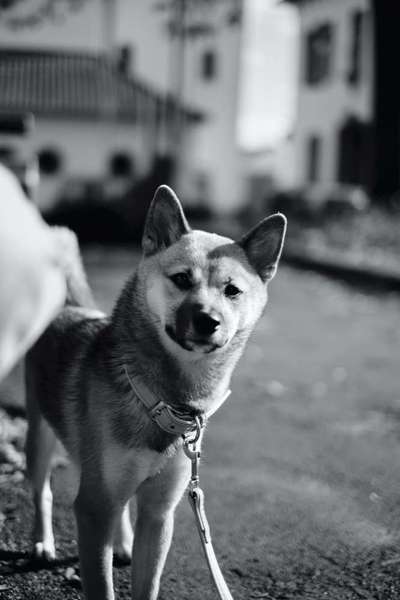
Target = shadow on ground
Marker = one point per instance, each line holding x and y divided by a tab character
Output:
299	468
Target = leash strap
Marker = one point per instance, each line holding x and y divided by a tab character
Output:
196	501
191	429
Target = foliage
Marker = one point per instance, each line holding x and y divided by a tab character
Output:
197	18
370	238
19	14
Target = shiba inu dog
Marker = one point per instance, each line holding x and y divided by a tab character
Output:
120	391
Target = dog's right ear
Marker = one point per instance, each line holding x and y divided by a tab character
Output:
165	222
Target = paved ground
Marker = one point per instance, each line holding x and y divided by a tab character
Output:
301	467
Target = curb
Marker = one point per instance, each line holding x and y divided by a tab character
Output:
366	276
361	276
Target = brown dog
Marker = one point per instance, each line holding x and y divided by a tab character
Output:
119	391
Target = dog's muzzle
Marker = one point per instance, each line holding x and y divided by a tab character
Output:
191	344
204	323
196	328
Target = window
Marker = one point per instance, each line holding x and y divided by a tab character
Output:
319	54
11	158
313	158
50	161
354	74
202	186
124	60
7	154
209	65
121	165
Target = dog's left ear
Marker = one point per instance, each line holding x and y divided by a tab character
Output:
263	245
165	222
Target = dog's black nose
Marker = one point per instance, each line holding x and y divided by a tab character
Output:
204	323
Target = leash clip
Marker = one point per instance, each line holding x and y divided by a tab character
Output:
196	499
190	447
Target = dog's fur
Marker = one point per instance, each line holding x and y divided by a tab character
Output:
180	323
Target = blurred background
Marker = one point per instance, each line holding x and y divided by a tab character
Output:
245	107
126	95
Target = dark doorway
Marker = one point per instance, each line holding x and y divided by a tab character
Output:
354	153
386	18
314	158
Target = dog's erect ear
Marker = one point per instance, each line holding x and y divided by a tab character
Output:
263	245
165	222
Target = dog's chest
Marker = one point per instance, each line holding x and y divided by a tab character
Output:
124	470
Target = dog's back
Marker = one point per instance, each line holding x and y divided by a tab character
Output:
55	365
78	291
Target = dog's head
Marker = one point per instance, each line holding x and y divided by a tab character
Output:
204	292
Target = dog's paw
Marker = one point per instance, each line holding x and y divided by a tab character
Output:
44	551
123	554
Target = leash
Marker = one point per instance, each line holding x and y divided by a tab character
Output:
196	501
178	422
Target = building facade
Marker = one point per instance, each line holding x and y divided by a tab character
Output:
142	42
93	122
334	137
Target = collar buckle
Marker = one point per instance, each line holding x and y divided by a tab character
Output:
156	410
171	421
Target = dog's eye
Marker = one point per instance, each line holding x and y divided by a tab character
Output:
182	281
231	291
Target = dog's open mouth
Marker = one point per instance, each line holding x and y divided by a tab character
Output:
191	345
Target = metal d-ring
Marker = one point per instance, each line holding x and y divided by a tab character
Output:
199	428
197	433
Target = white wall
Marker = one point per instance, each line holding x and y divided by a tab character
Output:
141	26
217	151
212	147
277	163
86	148
322	108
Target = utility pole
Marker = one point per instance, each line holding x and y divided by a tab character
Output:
109	22
176	70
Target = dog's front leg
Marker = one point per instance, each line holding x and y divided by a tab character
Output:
157	499
96	521
123	537
153	534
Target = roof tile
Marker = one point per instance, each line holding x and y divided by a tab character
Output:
75	85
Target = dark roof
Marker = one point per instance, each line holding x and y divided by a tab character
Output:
77	85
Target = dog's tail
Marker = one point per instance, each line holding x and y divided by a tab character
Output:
78	290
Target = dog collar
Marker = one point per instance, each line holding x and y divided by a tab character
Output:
168	418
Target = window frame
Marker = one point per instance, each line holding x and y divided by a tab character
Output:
354	75
318	67
209	68
314	158
54	168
